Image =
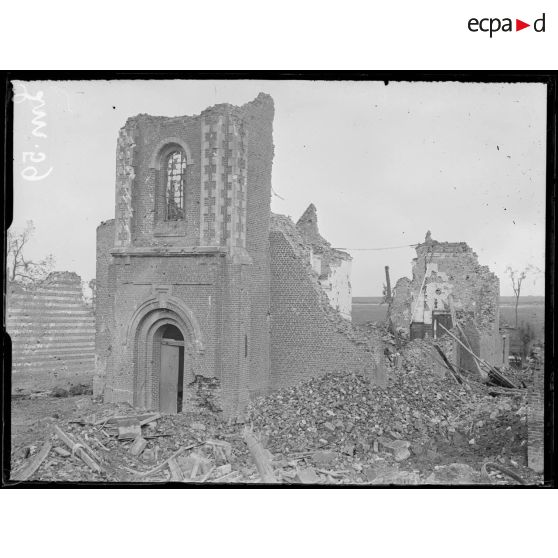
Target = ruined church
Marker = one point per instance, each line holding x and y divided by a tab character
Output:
203	296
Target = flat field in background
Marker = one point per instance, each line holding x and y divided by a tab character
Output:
368	309
530	310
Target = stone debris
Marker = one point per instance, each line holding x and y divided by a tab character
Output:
307	475
423	428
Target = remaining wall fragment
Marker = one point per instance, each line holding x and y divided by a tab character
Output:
535	418
447	274
332	266
52	332
308	336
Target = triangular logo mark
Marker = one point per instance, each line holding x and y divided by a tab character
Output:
519	25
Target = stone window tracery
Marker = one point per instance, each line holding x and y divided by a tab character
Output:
174	185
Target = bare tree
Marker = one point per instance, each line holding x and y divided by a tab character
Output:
517	277
19	268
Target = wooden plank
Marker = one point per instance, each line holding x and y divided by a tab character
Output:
491	370
172	342
165	463
25	472
176	472
481	372
88	448
449	366
260	457
466	348
77	449
152	418
116	420
208	474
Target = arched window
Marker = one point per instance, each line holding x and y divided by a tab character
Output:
174	185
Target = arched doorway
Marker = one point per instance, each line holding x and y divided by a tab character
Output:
167	344
171	368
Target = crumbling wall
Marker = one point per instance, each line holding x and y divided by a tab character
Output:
535	424
446	274
52	331
104	322
308	337
399	311
332	266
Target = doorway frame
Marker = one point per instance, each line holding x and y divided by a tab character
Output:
148	319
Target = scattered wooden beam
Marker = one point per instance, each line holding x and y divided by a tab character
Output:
208	474
77	449
260	457
151	418
456	376
142	418
88	448
493	373
27	470
166	462
176	472
481	372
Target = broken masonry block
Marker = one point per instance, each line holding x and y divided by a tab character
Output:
324	457
307	476
138	446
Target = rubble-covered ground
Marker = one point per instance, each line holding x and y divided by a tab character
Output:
423	428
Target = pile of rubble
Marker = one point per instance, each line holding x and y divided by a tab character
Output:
98	442
424	427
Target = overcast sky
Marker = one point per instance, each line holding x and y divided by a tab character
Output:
383	164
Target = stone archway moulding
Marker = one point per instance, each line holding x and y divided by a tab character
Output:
154	161
165	303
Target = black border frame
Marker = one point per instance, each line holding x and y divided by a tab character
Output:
549	78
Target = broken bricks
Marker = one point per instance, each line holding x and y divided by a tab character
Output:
194	464
222	451
398	448
306	475
322	458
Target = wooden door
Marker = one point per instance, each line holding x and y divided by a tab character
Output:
168	386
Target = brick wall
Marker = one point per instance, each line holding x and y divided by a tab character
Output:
258	118
308	337
104	322
535	418
52	332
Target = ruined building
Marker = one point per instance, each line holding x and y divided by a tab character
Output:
199	299
449	285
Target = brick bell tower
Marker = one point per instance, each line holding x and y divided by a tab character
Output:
183	271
